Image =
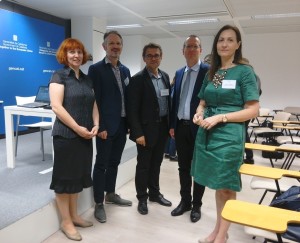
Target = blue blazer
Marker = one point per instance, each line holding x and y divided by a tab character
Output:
194	101
108	95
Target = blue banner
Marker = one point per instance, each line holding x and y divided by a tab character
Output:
27	56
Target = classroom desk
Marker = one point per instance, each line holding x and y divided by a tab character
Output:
9	112
297	128
286	122
262	147
288	148
260	216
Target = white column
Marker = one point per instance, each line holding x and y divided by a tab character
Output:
90	31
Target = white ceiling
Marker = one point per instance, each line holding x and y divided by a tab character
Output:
153	14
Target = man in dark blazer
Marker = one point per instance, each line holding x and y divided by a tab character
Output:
110	79
148	114
184	105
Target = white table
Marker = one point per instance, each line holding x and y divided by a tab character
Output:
9	112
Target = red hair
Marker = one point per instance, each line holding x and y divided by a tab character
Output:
70	44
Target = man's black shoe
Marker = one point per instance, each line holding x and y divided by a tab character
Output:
142	207
249	161
161	200
181	208
195	214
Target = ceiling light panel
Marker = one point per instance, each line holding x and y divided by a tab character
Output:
193	21
124	26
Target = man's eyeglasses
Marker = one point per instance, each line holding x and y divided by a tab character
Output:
190	47
149	56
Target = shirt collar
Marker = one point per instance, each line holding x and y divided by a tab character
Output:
152	75
107	61
194	68
69	71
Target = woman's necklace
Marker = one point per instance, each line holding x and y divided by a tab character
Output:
218	77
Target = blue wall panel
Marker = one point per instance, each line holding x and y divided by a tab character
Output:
27	56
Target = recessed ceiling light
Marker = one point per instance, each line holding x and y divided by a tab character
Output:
124	26
193	21
274	16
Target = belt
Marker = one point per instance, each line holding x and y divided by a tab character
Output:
185	122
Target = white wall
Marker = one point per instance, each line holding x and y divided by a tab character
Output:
173	58
90	31
275	58
132	52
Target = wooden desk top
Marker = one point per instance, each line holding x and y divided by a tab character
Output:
293	148
287	127
267	172
262	147
285	122
259	216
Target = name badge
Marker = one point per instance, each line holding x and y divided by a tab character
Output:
228	84
126	81
164	92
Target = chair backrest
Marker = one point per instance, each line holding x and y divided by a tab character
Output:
282	116
264	111
20	100
292	109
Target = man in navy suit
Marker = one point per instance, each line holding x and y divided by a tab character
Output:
184	105
148	114
110	79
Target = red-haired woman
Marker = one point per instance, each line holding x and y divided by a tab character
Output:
77	122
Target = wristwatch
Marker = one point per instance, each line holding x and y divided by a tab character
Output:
224	119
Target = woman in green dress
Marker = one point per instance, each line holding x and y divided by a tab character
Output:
228	98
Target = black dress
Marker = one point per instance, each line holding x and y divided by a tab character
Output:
72	153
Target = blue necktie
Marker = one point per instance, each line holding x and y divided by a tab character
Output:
184	93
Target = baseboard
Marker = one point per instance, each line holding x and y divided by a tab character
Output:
39	225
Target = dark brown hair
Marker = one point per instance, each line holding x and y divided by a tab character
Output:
70	44
215	58
150	46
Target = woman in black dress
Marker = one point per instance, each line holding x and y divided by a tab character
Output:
77	122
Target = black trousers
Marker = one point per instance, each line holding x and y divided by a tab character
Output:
149	160
185	142
109	153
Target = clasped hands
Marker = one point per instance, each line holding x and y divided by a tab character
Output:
208	122
85	133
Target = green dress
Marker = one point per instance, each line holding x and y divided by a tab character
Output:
218	152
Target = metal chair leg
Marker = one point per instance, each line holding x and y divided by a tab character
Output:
17	135
42	143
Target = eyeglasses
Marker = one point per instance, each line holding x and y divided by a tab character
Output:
149	56
190	47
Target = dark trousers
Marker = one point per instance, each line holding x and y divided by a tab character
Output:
249	152
109	153
149	160
170	148
185	147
